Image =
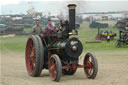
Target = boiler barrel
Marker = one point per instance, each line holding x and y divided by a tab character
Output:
71	48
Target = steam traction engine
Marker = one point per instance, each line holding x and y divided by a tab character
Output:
122	25
59	52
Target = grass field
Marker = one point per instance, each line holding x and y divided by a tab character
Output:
18	43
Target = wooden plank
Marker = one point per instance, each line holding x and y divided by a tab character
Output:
97	41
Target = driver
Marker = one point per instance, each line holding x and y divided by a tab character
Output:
49	31
49	26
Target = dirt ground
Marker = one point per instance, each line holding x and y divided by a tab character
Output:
113	70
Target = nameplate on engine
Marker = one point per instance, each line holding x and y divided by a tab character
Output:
74	42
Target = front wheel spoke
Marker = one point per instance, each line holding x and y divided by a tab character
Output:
87	71
87	59
90	59
88	65
91	64
90	71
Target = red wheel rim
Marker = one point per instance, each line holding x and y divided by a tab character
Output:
52	68
88	66
30	56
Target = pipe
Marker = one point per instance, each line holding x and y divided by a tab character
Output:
71	16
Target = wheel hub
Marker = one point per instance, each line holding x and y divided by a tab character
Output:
89	65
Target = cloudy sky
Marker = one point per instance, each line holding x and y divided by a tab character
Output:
57	6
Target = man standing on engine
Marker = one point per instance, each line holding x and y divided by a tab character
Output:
49	31
37	29
49	26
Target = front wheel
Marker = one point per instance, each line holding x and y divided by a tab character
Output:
90	66
55	67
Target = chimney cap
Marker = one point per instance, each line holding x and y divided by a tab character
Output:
72	6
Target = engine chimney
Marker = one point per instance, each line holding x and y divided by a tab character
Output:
71	17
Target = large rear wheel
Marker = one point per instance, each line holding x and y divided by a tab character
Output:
41	48
55	67
33	56
90	66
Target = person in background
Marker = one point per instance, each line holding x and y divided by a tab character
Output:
108	38
37	29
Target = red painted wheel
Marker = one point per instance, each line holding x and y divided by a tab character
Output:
55	67
90	66
33	57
